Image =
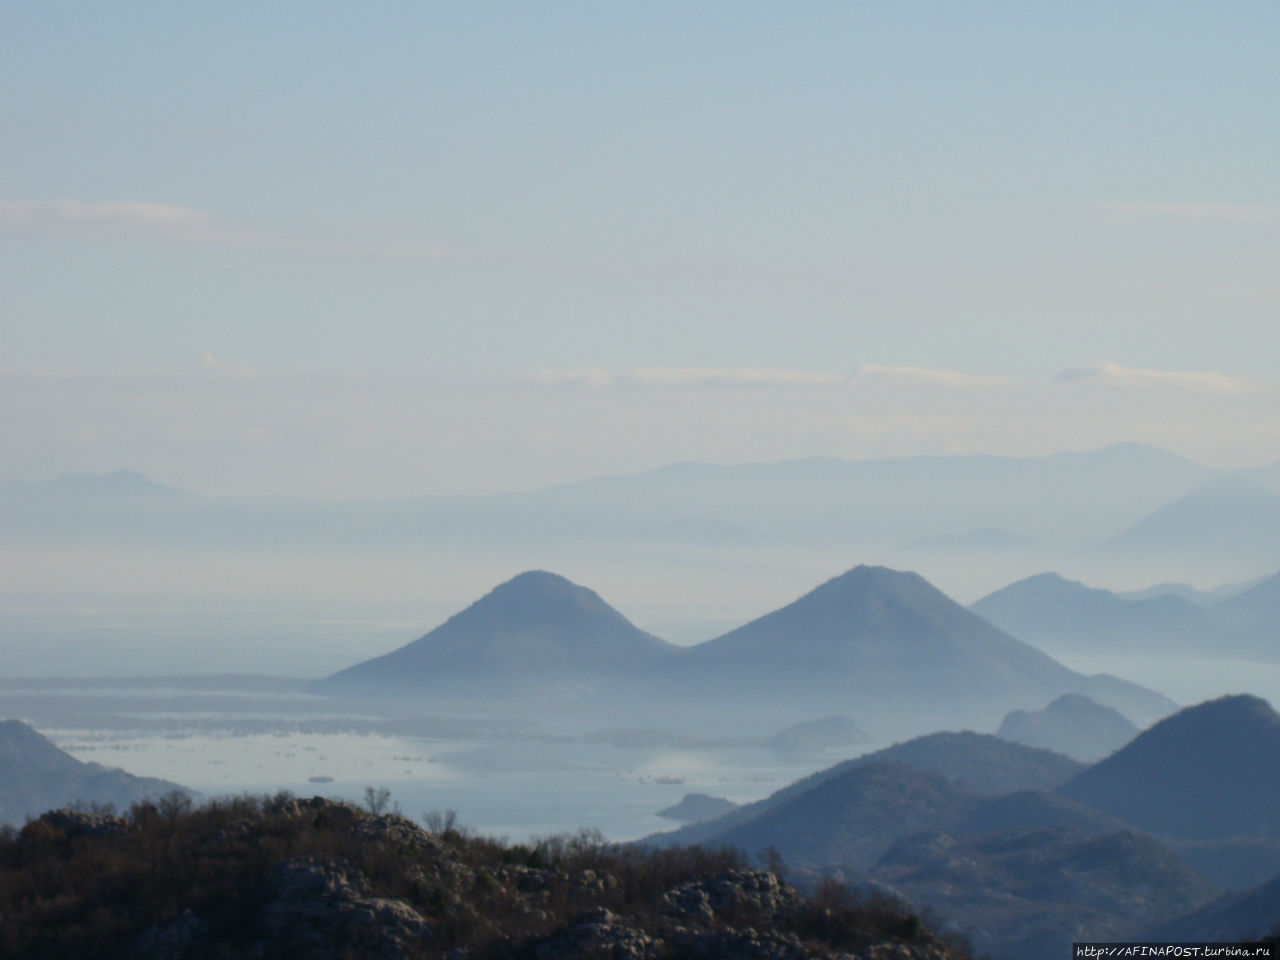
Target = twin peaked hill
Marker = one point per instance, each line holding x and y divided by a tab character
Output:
874	639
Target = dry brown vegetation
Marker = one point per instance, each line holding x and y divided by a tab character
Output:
90	885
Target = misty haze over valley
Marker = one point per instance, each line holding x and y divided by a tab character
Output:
643	481
539	707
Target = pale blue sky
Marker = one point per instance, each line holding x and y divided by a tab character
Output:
462	197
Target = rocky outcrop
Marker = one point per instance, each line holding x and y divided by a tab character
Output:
731	896
76	823
600	934
324	910
321	879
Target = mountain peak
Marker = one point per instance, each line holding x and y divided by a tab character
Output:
538	583
865	580
534	630
1170	778
540	596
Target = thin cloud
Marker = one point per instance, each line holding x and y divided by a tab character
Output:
753	377
1197	382
686	377
1199	210
174	224
927	375
36	213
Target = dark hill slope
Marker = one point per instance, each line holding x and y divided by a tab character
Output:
902	649
1211	770
36	776
1237	916
1030	893
853	819
976	762
536	633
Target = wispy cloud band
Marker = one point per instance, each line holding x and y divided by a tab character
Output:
754	377
35	213
1195	381
167	223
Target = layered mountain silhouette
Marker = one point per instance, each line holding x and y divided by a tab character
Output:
892	641
1059	613
1201	598
1259	603
854	818
1072	725
1112	853
537	633
36	776
1021	873
886	642
972	763
880	640
813	500
1209	771
1226	518
1255	612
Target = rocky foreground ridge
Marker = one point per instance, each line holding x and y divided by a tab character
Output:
319	879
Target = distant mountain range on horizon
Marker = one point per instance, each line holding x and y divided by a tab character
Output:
1109	512
958	498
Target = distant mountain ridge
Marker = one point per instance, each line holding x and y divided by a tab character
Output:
1049	610
1260	603
1226	517
813	499
735	531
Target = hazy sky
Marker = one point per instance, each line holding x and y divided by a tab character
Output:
384	248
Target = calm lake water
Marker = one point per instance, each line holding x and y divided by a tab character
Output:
507	778
513	788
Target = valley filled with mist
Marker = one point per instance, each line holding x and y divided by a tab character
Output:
536	706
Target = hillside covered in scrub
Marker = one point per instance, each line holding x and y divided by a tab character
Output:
320	879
